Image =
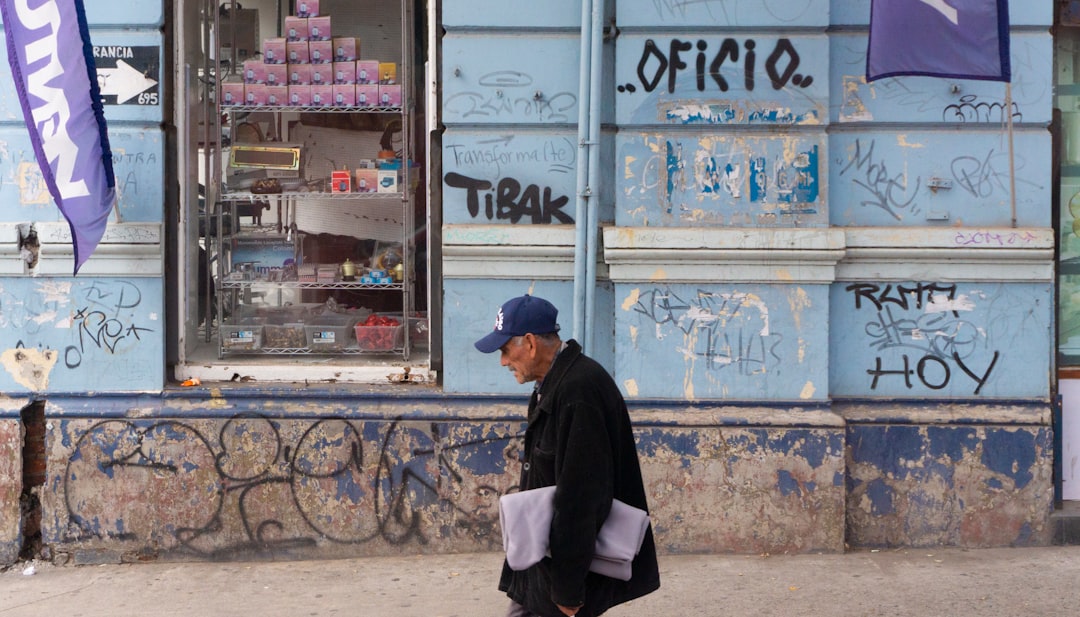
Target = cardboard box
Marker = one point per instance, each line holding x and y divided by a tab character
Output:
367	180
340	181
299	74
367	71
232	93
255	94
254	72
346	49
388	72
296	28
277	74
367	95
321	74
321	52
322	96
307	8
390	95
319	28
300	96
275	51
388	181
298	52
344	73
344	95
277	95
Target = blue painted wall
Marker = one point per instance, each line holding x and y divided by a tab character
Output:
101	332
758	342
919	339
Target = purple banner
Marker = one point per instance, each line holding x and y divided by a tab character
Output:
52	63
966	39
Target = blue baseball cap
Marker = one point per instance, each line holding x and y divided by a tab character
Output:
517	317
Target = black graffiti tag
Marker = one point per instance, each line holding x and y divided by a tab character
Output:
780	65
509	201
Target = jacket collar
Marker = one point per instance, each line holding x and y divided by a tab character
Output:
566	358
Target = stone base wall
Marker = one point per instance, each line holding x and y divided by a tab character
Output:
274	477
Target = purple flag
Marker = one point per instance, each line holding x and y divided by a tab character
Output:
52	63
965	39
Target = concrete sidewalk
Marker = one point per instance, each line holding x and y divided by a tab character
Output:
894	583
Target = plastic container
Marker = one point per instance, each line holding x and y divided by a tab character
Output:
330	332
244	335
284	336
379	338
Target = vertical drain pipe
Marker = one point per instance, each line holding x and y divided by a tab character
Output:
596	65
581	243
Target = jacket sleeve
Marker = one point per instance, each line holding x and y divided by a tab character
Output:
583	492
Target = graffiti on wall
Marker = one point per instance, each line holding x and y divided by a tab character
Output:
882	180
716	180
921	338
255	485
718	82
489	175
510	94
74	325
725	330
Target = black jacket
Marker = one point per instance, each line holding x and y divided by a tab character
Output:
579	439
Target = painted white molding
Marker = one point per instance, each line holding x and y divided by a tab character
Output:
532	252
1002	254
126	250
721	255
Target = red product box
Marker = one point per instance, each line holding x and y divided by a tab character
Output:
367	95
254	72
340	181
321	74
298	52
275	51
299	74
277	95
344	95
255	94
296	28
367	180
319	28
321	52
344	72
300	96
322	96
232	93
390	95
367	71
346	49
307	8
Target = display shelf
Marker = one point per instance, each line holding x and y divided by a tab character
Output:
311	144
238	196
307	351
309	109
353	285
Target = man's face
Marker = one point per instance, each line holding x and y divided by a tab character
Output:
519	356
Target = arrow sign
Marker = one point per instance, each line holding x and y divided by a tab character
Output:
128	74
124	82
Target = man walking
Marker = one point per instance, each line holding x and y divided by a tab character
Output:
579	440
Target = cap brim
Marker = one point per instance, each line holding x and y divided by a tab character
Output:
493	341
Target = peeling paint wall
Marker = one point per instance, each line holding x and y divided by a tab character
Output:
242	484
948	485
11	487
